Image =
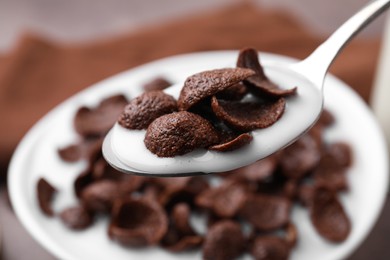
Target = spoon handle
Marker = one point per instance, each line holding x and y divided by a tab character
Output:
316	65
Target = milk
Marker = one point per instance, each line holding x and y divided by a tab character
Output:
301	112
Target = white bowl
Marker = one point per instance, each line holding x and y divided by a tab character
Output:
36	157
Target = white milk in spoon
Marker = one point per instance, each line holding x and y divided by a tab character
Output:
301	112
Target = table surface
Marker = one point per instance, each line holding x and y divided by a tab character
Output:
113	17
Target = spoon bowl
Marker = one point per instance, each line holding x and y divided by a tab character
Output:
125	150
265	141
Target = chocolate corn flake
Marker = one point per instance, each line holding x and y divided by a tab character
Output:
86	177
331	170
248	116
225	134
127	183
159	83
290	188
225	200
179	133
326	118
328	215
180	218
80	150
340	153
266	212
170	191
224	240
180	235
71	153
99	196
94	152
235	92
259	84
334	179
270	248
300	157
137	222
102	170
274	185
142	110
255	172
196	185
186	243
208	83
45	194
305	194
82	181
236	143
228	139
172	183
132	183
77	217
99	120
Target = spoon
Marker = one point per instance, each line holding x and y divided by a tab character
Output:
124	149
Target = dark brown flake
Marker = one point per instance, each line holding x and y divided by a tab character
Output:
248	116
259	84
328	215
45	193
341	153
300	157
236	143
179	133
83	180
142	110
159	83
98	121
180	235
326	118
224	240
80	150
305	194
255	172
71	153
235	92
77	217
100	195
170	191
266	212
137	222
270	248
225	200
331	170
208	83
102	170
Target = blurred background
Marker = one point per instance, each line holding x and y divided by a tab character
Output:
46	44
79	21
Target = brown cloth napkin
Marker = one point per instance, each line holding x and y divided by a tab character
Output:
38	73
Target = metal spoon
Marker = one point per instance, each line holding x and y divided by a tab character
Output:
128	155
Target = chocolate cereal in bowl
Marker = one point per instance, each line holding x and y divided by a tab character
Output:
303	202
